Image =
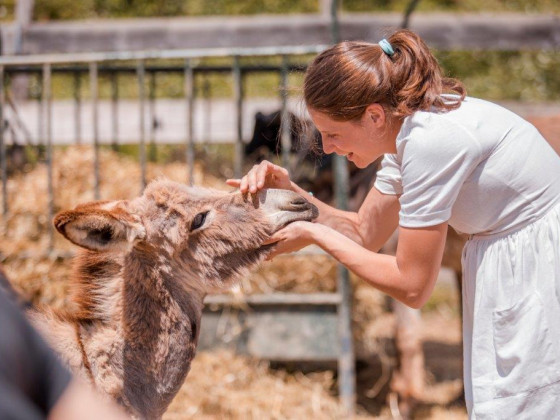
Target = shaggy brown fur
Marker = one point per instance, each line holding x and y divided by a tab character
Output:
139	284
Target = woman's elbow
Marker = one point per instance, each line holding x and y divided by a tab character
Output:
416	298
415	302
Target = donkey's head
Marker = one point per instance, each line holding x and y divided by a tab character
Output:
205	236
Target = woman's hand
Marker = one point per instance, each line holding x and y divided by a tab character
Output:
293	237
263	175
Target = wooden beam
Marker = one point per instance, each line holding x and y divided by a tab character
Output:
443	30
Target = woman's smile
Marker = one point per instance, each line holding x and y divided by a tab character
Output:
361	141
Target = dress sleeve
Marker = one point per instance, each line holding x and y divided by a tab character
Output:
388	179
437	156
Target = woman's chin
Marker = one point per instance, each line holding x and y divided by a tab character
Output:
360	163
353	158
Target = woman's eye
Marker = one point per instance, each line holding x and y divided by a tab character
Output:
198	220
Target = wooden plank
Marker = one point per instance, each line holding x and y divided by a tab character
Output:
274	299
279	331
441	30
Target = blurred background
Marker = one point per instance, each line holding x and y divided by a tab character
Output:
98	97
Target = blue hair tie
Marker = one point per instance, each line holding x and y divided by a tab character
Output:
386	47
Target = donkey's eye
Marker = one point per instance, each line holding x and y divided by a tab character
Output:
198	220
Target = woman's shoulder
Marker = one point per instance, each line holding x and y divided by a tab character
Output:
435	132
475	119
432	126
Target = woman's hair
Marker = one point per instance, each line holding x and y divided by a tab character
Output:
343	80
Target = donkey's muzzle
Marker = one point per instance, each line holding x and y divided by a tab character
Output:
300	204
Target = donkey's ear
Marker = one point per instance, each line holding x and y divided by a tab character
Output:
100	226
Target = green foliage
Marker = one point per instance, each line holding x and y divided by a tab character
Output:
88	9
62	9
7	10
91	9
532	6
506	75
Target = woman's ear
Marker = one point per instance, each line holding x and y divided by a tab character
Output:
377	114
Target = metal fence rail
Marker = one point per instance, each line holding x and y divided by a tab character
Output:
116	63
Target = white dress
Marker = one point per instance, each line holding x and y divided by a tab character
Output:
491	175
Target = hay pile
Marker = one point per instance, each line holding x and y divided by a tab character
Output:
223	385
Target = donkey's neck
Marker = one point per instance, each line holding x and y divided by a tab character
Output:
152	316
160	324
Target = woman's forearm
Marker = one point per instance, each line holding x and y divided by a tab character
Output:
379	270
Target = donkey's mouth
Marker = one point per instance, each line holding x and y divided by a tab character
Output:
307	213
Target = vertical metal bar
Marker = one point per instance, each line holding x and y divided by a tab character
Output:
207	94
285	122
78	107
152	121
346	361
93	79
40	119
189	96
3	145
141	74
238	94
47	114
115	110
335	27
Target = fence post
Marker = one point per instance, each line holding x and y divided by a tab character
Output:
115	110
152	151
77	107
238	93
346	362
285	120
189	96
47	115
93	78
141	72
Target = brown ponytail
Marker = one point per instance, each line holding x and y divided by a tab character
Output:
343	80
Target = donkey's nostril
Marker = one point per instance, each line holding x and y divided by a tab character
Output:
299	201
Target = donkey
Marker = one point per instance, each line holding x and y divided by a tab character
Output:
138	286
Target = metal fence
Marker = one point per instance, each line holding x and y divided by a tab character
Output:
317	308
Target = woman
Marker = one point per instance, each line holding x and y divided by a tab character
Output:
449	160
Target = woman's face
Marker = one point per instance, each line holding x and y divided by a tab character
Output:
362	141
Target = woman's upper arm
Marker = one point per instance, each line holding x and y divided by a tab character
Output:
419	255
378	218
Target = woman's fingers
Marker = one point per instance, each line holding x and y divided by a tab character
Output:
252	179
234	182
265	174
262	172
269	171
